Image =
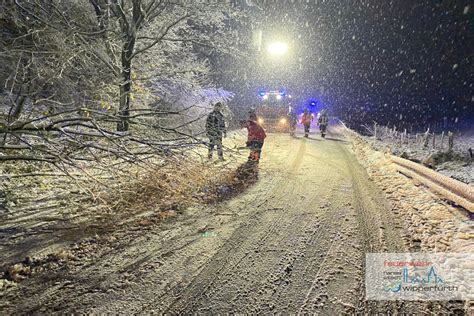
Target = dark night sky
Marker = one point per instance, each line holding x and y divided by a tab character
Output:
390	61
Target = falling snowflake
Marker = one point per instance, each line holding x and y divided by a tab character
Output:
466	9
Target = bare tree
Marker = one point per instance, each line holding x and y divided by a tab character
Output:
64	60
143	26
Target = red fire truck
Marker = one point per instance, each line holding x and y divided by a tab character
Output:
272	112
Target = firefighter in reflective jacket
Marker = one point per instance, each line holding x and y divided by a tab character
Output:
323	122
215	129
306	121
255	138
293	120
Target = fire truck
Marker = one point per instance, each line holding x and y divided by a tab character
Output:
272	112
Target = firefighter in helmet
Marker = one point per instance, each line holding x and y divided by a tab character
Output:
215	130
256	136
293	120
323	122
306	121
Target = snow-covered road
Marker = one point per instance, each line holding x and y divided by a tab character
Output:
293	242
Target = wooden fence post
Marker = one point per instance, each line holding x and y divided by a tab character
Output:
450	141
375	132
442	141
425	139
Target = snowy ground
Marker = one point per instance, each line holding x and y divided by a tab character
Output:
433	224
461	170
459	165
292	240
40	215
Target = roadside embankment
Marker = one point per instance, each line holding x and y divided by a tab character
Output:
431	223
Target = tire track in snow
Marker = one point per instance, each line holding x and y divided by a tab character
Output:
218	263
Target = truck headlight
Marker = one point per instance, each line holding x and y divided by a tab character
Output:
260	120
283	121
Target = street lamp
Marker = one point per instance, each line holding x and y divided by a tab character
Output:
277	48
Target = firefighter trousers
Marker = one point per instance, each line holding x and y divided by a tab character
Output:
215	141
255	150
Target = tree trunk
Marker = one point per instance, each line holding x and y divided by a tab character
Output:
17	108
25	84
124	112
125	86
129	29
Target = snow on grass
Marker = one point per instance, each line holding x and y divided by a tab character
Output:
456	164
431	224
64	210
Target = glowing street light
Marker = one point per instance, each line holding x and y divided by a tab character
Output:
278	97
277	48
